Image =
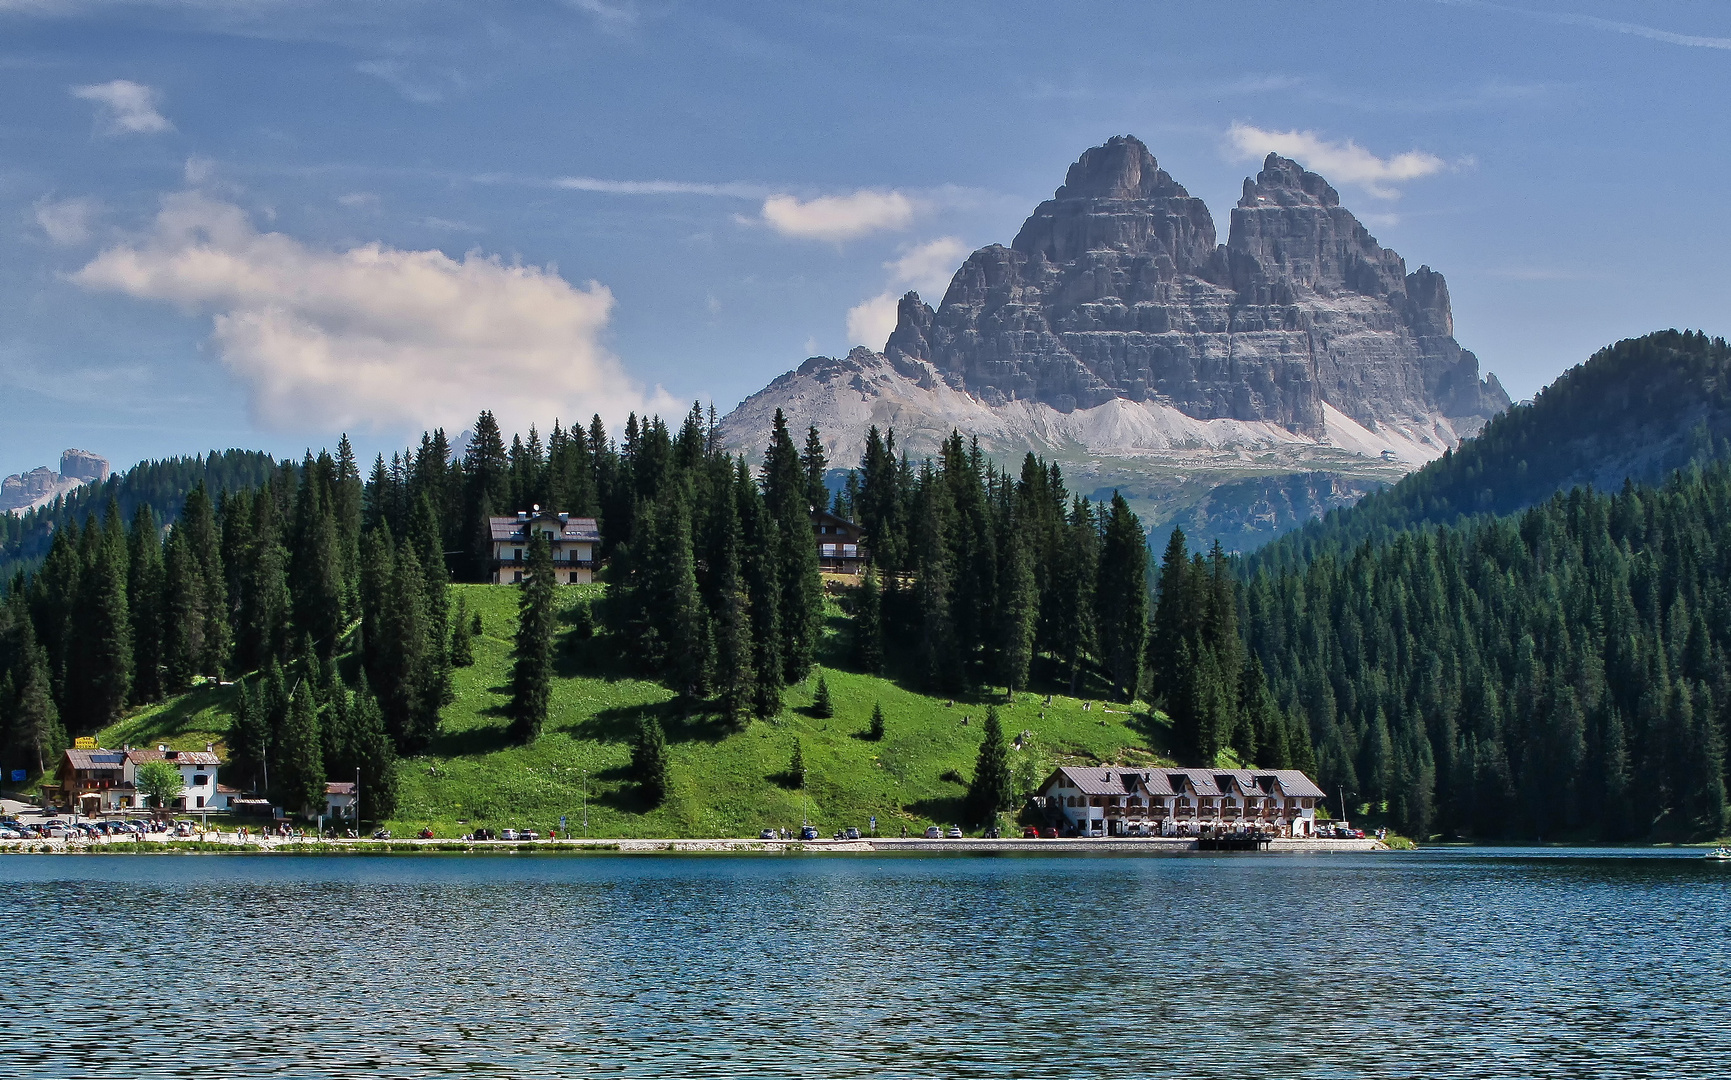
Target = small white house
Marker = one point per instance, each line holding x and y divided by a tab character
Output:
340	800
1107	800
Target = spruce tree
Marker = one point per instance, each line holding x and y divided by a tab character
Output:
868	625
105	633
249	737
36	728
144	598
821	706
300	781
1019	609
462	635
796	775
374	756
198	523
1122	598
876	731
649	761
991	790
813	462
184	623
787	497
532	671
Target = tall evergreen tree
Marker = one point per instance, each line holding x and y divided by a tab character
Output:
144	585
649	761
532	672
1122	597
991	790
300	781
868	624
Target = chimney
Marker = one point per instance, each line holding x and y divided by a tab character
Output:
522	515
210	748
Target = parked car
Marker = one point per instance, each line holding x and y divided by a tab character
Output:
507	834
954	833
934	833
808	832
1030	833
485	834
851	834
528	834
10	834
767	834
54	830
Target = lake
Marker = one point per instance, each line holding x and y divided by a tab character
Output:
1450	963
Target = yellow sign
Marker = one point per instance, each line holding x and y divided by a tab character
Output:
84	742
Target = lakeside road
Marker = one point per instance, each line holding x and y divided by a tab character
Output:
231	842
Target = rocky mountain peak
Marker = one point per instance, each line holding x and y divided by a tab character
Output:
1117	198
1284	182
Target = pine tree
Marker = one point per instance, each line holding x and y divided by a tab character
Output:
144	586
184	624
876	731
1122	598
991	790
815	464
374	756
649	761
300	782
198	523
786	496
821	706
105	633
868	625
532	672
36	728
796	775
462	635
249	737
1019	609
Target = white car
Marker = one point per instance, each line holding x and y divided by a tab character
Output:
10	834
54	829
507	834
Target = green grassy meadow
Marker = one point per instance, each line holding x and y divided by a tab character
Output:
725	781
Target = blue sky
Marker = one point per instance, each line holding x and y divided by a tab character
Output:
261	224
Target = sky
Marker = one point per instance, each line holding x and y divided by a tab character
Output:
263	224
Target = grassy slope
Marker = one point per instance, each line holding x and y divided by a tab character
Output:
725	783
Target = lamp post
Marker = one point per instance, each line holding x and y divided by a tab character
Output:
1343	794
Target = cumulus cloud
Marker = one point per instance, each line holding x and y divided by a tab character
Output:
1341	162
377	337
125	107
838	217
926	268
67	222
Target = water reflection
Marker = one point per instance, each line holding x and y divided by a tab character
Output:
1450	964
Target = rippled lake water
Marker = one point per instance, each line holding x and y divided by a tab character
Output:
1434	964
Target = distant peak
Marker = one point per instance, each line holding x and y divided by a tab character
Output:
1284	182
1122	168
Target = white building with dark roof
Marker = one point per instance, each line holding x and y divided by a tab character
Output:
574	541
96	781
1108	800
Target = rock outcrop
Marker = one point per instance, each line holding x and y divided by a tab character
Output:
1116	288
41	486
1300	360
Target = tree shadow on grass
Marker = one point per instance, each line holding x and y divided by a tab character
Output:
679	722
470	742
946	809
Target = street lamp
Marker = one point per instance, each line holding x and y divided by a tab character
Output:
1343	794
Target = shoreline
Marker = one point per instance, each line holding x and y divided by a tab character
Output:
1145	846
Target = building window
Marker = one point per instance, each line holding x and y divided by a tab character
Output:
573	577
201	802
199	780
517	578
517	554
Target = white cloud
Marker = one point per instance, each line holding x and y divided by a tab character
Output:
198	170
926	268
870	322
126	107
609	17
358	200
659	187
1340	162
413	86
67	222
377	337
838	217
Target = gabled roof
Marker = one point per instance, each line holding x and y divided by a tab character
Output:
95	759
337	788
1115	780
569	529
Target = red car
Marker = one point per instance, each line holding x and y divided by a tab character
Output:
1030	833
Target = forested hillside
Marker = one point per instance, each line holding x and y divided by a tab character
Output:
1557	673
1640	409
161	485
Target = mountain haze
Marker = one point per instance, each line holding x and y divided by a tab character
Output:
1117	335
